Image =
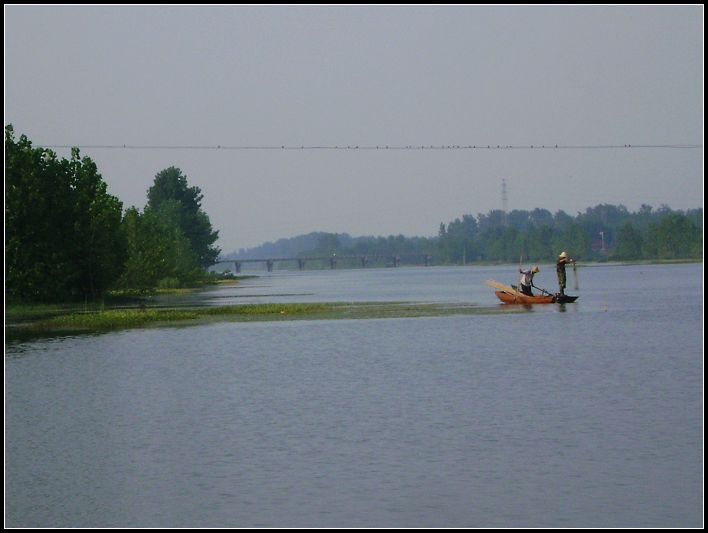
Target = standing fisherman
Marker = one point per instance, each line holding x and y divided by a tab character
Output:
563	260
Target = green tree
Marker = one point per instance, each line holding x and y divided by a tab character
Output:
629	243
147	250
171	185
540	246
38	220
328	244
501	244
458	243
62	228
674	236
182	264
98	247
158	251
572	239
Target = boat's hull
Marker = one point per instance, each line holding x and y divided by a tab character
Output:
519	298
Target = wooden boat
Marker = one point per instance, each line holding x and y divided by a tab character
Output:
519	298
509	295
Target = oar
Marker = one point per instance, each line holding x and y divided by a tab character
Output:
544	291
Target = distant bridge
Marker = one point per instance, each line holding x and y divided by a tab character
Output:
359	260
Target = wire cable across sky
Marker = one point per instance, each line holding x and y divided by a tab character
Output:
378	147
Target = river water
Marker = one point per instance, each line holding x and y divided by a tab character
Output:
584	415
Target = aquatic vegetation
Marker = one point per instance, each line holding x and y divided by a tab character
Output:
127	318
118	318
115	319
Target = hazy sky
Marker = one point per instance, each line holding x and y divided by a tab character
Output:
367	76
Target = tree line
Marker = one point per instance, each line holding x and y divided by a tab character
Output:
67	238
602	233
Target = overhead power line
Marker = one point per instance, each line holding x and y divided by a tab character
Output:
378	147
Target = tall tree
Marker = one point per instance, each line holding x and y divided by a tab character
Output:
38	221
171	185
158	251
629	243
98	247
62	236
673	236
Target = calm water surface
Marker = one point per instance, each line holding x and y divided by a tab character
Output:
585	415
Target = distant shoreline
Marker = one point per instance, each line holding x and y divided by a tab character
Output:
581	264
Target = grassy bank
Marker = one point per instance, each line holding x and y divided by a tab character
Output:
117	319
